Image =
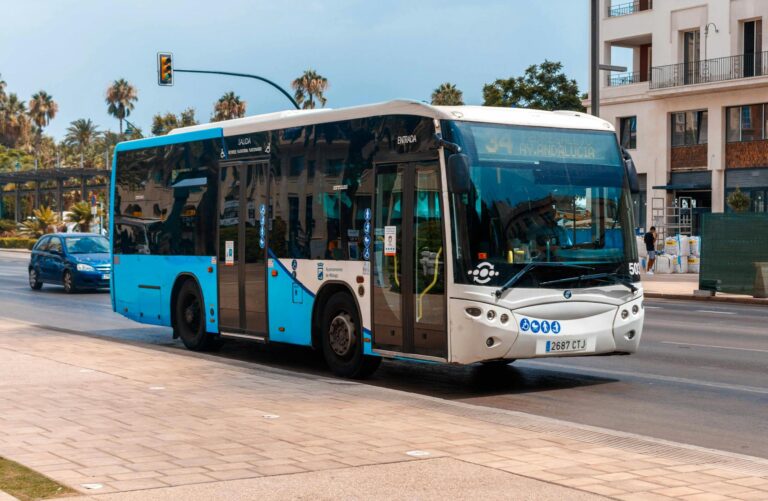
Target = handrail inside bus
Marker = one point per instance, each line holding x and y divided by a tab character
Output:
429	287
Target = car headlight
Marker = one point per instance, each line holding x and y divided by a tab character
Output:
85	267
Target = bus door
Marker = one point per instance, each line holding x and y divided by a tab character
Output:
242	248
408	273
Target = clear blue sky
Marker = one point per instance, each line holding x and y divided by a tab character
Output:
369	50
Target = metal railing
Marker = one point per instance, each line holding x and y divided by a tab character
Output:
710	70
628	8
619	79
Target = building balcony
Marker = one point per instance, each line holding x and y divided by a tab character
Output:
630	78
709	71
627	8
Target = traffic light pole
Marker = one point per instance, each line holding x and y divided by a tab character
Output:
244	75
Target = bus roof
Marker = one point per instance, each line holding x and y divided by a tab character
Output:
486	114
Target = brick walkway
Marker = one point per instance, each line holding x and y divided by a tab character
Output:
85	410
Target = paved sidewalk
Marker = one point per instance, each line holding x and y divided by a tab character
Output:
157	423
683	285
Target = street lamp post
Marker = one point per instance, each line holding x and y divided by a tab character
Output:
245	75
595	66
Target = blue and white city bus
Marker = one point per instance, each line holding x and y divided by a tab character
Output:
398	230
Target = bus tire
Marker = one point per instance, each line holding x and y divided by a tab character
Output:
343	340
190	318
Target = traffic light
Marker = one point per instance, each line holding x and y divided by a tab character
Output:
164	69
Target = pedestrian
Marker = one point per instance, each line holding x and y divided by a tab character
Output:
650	246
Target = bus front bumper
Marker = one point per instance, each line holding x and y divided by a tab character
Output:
554	329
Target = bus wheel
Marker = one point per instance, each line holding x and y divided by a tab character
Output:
190	318
342	339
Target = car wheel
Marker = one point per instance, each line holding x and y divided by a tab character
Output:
342	339
190	319
34	281
69	282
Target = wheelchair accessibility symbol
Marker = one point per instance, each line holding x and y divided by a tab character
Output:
525	325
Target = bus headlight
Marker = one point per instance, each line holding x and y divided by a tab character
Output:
624	314
635	309
491	315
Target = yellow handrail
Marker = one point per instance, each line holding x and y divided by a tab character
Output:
429	287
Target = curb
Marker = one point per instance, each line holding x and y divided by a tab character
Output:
714	299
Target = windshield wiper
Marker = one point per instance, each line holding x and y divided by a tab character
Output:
614	278
528	267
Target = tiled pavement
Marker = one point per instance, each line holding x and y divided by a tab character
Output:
85	410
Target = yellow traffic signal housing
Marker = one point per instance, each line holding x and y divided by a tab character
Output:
164	68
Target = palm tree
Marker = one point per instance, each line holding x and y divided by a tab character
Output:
2	90
120	97
44	221
14	121
42	109
228	106
81	134
447	95
310	87
80	214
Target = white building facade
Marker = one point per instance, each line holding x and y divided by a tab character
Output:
693	108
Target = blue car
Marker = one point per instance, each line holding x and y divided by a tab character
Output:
77	261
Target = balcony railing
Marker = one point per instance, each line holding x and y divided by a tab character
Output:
710	70
619	79
628	8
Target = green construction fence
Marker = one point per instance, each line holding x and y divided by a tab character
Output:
731	244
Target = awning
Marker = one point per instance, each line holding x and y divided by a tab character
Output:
683	187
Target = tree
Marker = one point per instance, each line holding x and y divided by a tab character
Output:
309	88
15	125
121	97
163	124
80	214
447	95
543	87
42	109
739	201
81	134
44	221
228	106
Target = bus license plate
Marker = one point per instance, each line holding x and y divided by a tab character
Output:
578	345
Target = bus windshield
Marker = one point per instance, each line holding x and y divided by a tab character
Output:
540	195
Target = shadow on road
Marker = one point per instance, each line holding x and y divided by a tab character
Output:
436	380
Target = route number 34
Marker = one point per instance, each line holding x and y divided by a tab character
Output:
634	269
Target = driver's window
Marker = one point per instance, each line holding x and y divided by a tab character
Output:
54	245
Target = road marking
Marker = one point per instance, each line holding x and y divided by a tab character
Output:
653	377
720	312
653	307
714	346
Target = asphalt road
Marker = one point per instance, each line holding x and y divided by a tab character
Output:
700	378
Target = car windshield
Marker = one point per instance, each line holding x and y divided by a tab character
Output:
86	245
543	195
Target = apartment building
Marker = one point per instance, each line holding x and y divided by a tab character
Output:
693	107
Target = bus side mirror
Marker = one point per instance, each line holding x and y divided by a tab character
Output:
629	167
458	173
